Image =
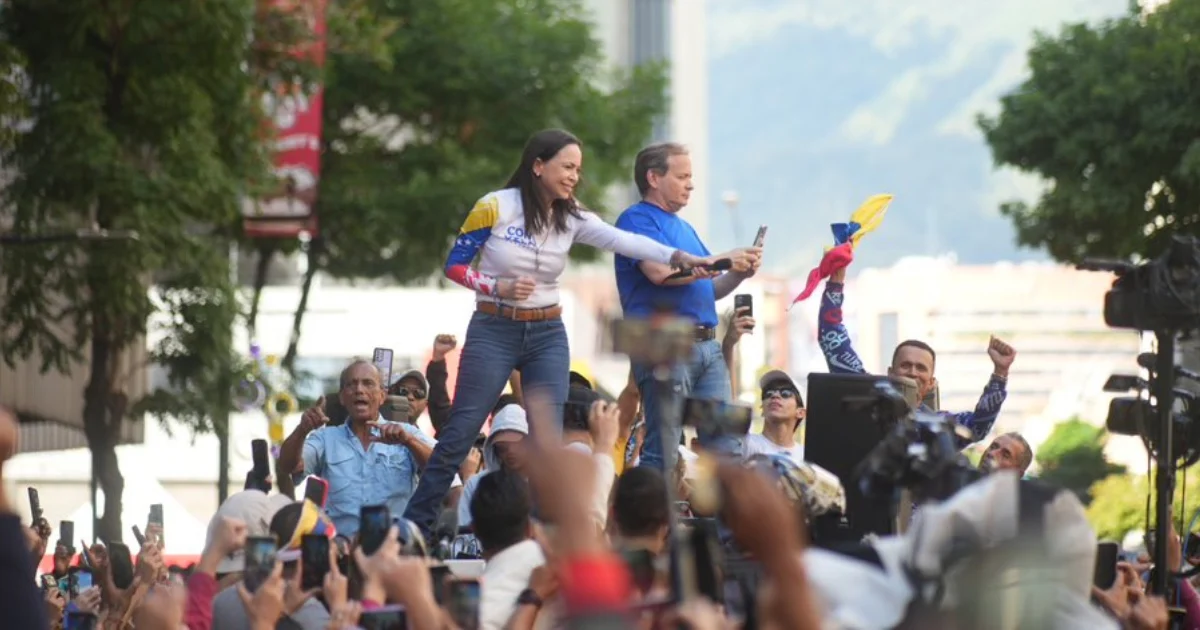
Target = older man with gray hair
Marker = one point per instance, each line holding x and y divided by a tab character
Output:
367	460
663	174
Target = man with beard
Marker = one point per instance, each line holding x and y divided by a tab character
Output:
1007	452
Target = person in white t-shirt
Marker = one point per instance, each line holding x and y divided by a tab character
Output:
783	411
521	236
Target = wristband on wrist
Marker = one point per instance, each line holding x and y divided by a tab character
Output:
529	597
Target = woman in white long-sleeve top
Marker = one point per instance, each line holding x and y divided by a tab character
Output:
522	235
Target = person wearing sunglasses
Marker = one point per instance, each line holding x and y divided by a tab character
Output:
783	411
413	386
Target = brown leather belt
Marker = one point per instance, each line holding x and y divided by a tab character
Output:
520	314
705	333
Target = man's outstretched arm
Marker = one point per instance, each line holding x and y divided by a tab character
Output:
832	335
981	420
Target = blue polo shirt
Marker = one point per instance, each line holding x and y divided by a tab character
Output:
639	296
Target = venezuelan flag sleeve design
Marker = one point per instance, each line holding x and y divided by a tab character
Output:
471	238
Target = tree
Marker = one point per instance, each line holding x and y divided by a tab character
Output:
1119	503
1110	119
406	153
142	118
1073	457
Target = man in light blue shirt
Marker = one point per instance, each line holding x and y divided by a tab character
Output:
367	460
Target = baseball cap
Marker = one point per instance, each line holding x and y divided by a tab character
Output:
253	507
776	376
576	378
412	374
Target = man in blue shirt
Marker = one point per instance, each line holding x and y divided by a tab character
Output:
663	174
367	460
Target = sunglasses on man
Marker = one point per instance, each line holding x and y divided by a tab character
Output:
784	393
410	392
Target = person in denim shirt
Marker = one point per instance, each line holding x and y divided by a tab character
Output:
367	460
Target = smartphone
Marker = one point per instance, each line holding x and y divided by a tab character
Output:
396	409
66	534
76	620
48	582
316	490
262	461
156	518
374	521
120	563
462	602
1105	571
382	359
314	560
707	561
83	556
761	237
641	568
438	574
716	418
82	581
260	561
1191	546
384	618
746	301
139	536
35	506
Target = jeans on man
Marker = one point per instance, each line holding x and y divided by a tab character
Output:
704	376
493	348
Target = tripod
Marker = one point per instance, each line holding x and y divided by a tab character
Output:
1164	483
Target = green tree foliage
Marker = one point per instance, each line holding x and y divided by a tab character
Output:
142	117
1110	118
1073	457
1119	503
406	153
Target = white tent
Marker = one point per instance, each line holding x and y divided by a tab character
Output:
184	534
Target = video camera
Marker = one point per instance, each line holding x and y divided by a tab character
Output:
1162	294
919	450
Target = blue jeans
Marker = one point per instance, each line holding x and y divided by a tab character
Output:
704	376
494	347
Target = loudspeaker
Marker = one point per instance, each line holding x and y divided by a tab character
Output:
838	438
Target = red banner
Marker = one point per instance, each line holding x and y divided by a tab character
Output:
295	116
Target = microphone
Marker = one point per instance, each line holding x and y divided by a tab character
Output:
444	532
1146	361
723	264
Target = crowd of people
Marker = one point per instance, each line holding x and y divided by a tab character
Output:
552	505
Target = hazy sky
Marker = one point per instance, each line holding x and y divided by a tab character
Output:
833	100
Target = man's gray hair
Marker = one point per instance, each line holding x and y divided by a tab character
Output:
654	158
1026	457
355	363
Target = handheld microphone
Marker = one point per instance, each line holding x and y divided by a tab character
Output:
444	532
723	264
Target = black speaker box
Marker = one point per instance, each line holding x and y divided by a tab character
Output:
837	438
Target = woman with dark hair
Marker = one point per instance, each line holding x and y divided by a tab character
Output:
522	235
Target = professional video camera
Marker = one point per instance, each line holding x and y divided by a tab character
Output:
918	451
1161	294
1136	415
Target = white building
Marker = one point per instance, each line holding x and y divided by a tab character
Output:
636	31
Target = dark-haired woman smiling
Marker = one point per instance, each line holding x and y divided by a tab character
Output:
522	235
